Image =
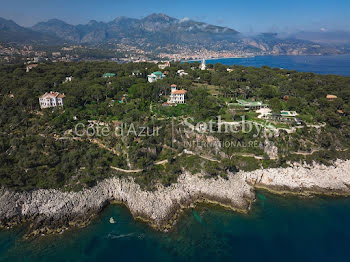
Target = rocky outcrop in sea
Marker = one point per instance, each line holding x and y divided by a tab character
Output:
53	211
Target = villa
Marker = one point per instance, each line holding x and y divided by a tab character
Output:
177	96
248	105
155	76
181	73
52	99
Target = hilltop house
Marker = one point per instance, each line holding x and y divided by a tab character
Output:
155	76
177	96
108	75
52	99
163	66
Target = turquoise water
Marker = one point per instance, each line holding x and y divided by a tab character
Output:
277	229
339	64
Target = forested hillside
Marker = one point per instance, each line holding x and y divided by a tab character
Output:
38	148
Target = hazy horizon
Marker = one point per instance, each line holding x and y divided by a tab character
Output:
251	16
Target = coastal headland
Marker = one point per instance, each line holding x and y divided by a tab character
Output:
54	211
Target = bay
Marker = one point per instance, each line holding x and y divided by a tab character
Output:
336	64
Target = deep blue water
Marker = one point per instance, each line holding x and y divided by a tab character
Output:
276	229
339	64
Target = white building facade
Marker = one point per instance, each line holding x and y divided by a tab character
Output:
52	99
155	76
181	73
177	96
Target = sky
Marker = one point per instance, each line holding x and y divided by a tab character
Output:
248	16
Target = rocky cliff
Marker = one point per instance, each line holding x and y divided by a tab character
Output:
54	211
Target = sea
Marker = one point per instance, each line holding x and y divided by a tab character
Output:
335	64
277	228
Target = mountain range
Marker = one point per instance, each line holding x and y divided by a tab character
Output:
158	32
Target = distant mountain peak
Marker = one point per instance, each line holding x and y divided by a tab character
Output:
92	22
159	17
55	21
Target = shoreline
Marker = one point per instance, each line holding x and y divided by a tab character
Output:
254	56
54	211
218	58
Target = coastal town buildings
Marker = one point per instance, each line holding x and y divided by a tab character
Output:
56	54
51	99
177	96
155	76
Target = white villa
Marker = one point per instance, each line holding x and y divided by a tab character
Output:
203	65
68	79
177	96
181	73
52	99
155	76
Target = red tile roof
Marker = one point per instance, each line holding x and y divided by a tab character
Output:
179	92
52	95
331	97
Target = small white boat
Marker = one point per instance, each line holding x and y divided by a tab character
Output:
112	221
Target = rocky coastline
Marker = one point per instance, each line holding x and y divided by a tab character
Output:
54	211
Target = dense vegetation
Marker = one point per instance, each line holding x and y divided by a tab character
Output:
38	148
